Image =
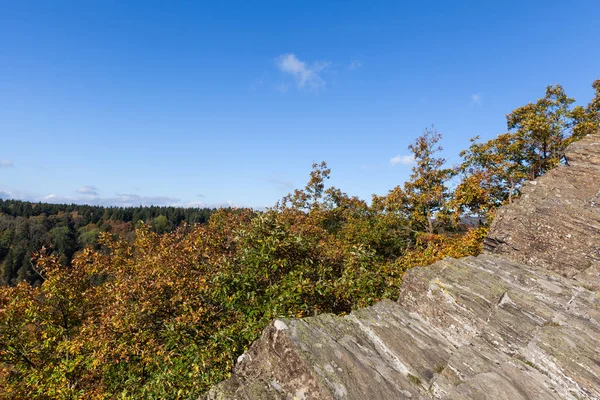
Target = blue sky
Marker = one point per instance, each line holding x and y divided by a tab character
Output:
209	103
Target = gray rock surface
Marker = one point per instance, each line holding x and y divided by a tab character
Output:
521	324
556	222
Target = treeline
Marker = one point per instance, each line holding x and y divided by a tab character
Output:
27	227
165	315
88	214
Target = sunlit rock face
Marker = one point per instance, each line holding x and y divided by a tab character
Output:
556	222
519	322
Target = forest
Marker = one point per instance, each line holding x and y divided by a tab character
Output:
162	310
66	229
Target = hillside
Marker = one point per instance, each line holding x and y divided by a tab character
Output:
26	227
520	322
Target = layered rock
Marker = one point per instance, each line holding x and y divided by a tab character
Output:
520	324
556	222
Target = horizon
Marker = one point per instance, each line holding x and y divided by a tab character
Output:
191	105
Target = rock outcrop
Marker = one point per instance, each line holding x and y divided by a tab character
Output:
520	323
556	222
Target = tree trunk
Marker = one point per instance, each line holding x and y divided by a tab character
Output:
429	223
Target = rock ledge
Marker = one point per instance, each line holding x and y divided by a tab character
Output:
519	322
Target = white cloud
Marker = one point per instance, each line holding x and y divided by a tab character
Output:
130	199
6	164
306	75
192	204
355	64
119	200
476	98
402	160
89	190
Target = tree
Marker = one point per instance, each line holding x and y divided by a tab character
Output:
494	171
543	127
160	224
492	174
64	242
88	235
586	120
424	197
311	196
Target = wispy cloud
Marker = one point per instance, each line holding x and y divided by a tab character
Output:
281	184
118	200
132	199
193	204
201	204
307	76
6	164
88	196
89	190
476	99
355	64
402	160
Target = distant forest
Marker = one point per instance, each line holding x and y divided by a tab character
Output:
67	228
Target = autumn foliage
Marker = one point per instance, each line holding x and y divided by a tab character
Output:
164	315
